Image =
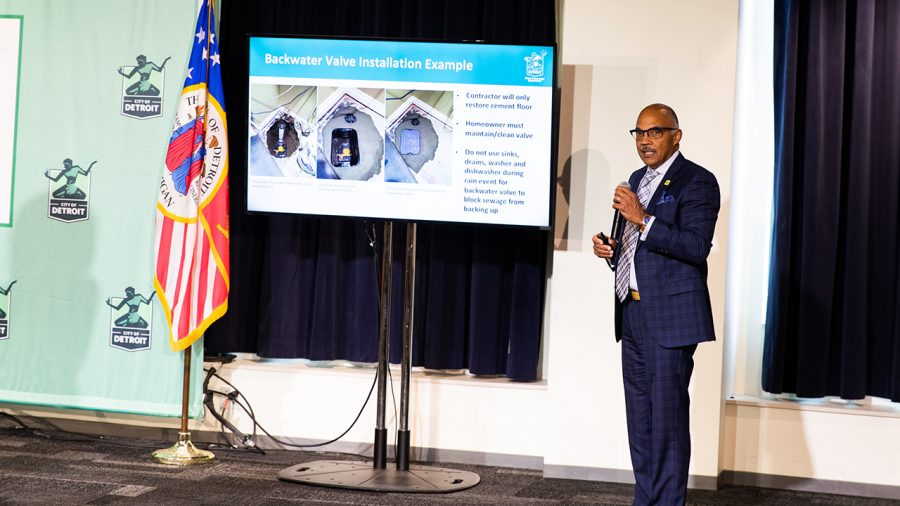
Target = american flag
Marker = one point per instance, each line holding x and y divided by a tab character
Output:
192	212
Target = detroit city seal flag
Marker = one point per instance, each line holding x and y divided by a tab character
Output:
192	211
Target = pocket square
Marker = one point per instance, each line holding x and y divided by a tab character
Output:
665	199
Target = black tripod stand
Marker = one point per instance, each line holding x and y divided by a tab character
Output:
376	475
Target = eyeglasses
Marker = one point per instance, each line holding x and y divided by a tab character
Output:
654	132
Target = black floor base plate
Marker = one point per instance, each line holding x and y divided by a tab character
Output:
362	476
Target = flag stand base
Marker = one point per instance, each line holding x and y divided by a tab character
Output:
183	453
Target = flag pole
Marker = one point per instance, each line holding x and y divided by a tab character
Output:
193	109
183	452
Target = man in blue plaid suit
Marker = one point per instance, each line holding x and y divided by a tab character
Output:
662	300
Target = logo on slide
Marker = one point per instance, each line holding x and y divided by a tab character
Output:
69	200
5	304
142	86
534	67
130	320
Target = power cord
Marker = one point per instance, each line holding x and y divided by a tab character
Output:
20	425
247	440
234	396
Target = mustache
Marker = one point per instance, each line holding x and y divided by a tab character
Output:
645	149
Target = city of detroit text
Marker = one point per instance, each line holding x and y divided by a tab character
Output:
388	62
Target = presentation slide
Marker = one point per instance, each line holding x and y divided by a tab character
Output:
401	130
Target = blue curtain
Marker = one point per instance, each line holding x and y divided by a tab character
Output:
307	286
833	324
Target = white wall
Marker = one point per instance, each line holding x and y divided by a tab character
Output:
635	53
751	217
832	444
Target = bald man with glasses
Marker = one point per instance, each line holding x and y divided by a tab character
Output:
662	301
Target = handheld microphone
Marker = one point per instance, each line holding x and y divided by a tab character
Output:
617	218
614	230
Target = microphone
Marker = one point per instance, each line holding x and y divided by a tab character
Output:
617	218
614	231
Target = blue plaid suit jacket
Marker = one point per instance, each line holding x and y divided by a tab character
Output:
671	264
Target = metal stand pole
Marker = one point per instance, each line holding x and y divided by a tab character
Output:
375	476
409	287
184	452
384	338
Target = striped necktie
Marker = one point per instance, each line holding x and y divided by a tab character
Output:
630	237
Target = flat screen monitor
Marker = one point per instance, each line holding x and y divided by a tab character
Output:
419	131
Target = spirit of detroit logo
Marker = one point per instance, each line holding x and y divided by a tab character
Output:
142	98
130	331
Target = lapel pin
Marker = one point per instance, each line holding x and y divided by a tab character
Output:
667	182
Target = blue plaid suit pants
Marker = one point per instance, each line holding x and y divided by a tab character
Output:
657	407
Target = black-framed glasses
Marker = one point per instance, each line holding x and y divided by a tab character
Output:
653	132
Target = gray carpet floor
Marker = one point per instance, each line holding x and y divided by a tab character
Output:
37	469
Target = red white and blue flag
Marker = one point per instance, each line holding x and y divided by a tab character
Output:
192	212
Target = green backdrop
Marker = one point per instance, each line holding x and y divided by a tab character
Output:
59	349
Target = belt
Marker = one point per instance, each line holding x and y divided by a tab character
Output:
635	295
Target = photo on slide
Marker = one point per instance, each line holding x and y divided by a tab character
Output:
418	142
282	131
350	128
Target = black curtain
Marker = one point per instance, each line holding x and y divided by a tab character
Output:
833	324
306	287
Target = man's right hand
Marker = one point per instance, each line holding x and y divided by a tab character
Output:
602	249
